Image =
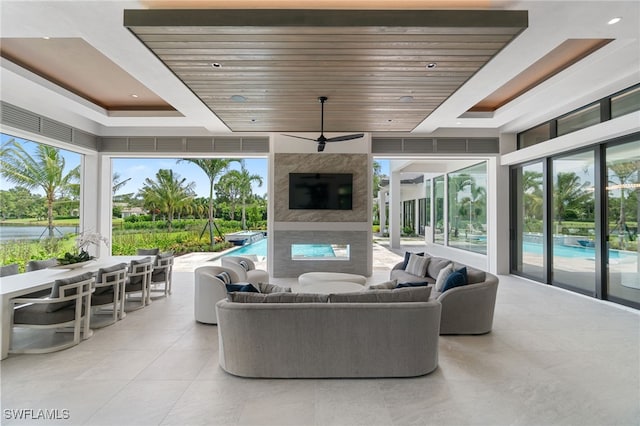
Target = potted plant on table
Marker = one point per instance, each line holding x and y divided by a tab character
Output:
83	241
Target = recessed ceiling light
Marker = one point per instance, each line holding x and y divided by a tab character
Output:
46	38
253	120
458	122
406	98
614	20
133	95
431	65
238	98
216	65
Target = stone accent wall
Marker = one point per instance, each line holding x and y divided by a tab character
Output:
352	227
356	164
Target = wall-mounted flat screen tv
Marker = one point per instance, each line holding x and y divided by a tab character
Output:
320	191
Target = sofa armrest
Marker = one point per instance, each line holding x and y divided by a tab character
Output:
397	266
469	309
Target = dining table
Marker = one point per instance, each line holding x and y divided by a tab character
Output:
14	286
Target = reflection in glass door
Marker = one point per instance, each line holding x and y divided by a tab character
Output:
623	201
529	225
573	249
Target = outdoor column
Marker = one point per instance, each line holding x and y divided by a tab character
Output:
395	199
382	197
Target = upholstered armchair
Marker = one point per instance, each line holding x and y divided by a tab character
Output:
7	270
67	307
161	274
246	269
110	282
36	265
210	287
138	280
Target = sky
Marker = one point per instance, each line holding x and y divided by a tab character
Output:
138	169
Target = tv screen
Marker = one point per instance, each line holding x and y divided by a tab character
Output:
320	191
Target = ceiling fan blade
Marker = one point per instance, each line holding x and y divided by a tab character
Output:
300	137
345	137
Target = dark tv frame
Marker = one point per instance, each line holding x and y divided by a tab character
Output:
326	197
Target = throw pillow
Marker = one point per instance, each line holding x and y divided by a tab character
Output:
108	270
455	279
417	265
244	264
272	288
137	279
387	285
442	276
435	266
241	287
277	298
408	254
224	277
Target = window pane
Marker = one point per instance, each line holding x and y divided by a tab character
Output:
625	103
534	136
438	232
468	208
529	221
623	188
579	120
573	224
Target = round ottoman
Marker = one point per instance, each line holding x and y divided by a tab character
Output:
311	278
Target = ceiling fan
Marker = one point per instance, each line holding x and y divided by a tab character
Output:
322	140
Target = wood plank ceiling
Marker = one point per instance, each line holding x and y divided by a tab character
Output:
263	70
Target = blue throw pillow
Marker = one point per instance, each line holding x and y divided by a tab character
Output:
407	255
243	287
402	285
224	277
456	279
463	271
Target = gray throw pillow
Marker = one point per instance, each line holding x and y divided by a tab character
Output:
435	265
137	279
405	294
417	265
107	270
277	298
56	293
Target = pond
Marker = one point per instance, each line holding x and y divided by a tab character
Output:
10	232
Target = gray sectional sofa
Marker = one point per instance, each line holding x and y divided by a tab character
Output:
328	340
467	309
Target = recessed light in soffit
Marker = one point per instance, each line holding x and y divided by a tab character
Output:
557	60
364	60
78	67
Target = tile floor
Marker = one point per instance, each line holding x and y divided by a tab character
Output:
553	358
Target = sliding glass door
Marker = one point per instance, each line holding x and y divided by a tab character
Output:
623	210
529	246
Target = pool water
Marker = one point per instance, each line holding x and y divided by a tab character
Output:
259	248
572	252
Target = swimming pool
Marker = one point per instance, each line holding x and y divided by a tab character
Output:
574	252
259	248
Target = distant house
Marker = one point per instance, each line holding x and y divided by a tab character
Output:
131	211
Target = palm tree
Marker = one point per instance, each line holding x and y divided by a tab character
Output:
237	183
213	168
168	193
44	170
569	190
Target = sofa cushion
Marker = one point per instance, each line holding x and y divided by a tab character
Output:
417	265
241	287
405	277
442	276
387	285
147	252
409	294
277	298
408	254
435	265
455	279
272	288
